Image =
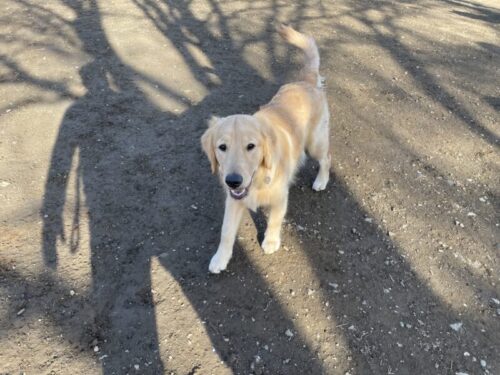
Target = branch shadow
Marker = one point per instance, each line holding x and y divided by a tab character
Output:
476	11
386	34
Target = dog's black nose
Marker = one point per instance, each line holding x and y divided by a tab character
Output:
234	180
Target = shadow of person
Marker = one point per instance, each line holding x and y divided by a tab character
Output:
105	133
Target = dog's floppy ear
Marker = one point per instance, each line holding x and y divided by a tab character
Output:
269	146
207	143
213	121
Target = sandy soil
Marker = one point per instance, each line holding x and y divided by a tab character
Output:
109	214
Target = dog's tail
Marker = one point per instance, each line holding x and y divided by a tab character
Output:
307	44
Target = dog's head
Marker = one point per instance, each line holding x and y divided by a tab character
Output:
237	146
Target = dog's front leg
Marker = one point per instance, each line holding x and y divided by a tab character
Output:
272	237
232	217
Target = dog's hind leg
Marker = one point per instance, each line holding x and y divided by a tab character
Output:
272	237
319	148
232	217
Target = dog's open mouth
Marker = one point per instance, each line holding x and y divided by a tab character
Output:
238	193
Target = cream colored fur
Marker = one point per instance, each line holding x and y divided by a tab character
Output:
294	121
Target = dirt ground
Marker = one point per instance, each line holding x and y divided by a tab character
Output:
109	214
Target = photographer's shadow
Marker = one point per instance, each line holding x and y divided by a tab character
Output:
106	130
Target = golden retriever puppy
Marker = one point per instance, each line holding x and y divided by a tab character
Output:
256	156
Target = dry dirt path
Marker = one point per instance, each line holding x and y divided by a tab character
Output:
109	214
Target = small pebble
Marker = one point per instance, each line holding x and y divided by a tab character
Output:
137	367
456	326
483	363
289	333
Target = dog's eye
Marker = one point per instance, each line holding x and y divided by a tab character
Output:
250	146
222	147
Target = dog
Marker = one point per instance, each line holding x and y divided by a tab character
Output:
256	156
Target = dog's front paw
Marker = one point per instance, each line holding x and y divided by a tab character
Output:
218	263
320	183
271	245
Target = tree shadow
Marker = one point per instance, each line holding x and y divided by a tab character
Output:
391	318
493	101
476	11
